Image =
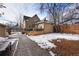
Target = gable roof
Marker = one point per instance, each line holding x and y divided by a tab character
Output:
35	15
26	17
43	21
2	25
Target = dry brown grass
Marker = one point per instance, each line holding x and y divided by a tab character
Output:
66	47
34	33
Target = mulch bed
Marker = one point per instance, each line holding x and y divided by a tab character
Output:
66	47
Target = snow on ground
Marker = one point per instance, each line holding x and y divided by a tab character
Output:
3	45
51	53
43	40
5	41
13	40
14	37
15	34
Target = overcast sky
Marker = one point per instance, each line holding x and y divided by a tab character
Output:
13	10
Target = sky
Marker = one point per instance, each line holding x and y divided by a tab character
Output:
14	10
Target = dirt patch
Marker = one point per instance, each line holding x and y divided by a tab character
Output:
34	33
66	47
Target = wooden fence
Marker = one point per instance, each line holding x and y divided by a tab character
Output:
74	28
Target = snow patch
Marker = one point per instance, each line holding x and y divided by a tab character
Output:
13	40
14	37
3	39
43	40
15	34
51	53
58	40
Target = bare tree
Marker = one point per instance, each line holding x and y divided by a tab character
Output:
2	5
71	15
54	9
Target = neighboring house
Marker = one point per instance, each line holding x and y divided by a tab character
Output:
3	32
44	26
35	24
29	22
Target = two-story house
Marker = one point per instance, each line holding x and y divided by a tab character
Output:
29	22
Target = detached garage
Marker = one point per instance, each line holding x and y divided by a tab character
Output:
2	30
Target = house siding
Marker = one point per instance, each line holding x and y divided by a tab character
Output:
48	28
2	31
30	23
